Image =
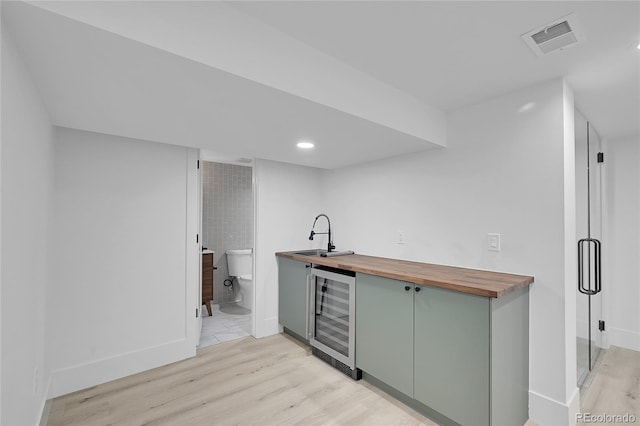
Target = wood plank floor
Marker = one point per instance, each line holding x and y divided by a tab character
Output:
276	381
270	381
615	388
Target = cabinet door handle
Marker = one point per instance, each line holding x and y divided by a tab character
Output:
407	288
417	288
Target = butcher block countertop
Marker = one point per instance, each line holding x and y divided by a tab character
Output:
472	281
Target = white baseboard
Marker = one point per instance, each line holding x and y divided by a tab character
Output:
574	406
266	327
81	376
46	404
627	339
549	412
44	413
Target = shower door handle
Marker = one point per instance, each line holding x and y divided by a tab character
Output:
589	243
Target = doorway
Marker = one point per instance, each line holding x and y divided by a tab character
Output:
227	242
589	323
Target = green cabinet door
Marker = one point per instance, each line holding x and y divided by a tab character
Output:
292	295
384	330
451	357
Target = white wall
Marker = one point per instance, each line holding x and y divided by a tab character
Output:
119	298
504	172
621	242
26	176
570	405
288	199
1	102
582	319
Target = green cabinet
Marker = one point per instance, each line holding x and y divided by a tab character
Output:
451	354
384	330
292	296
462	356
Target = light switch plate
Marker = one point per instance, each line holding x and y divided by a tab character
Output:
493	242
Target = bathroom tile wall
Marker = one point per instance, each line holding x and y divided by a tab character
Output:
227	221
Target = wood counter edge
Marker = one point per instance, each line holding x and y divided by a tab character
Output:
516	281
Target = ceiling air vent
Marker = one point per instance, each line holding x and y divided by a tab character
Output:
557	35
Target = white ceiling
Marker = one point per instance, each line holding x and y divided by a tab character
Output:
364	80
97	80
455	53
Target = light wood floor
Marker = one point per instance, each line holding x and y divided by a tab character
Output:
615	388
276	381
270	381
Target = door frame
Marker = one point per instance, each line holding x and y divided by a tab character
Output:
193	243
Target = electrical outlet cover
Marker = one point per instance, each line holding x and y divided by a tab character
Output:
493	242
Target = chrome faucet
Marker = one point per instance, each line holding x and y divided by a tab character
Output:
330	245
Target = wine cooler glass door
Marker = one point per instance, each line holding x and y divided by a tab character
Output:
333	314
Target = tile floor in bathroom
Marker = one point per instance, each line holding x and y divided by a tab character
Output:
223	326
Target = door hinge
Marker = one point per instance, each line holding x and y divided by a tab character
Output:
197	238
601	325
198	165
196	312
601	157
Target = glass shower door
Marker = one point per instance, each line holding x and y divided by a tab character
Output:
589	234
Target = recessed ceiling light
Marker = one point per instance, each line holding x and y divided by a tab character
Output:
305	145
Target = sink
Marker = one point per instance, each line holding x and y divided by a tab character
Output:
311	252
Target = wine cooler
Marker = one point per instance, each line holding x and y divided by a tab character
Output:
331	326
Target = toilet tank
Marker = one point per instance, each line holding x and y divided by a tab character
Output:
239	262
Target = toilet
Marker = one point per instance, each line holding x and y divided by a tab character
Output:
241	267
